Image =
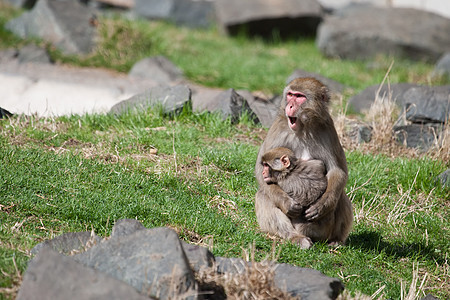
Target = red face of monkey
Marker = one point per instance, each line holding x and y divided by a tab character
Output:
294	101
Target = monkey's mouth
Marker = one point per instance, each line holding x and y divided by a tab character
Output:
292	122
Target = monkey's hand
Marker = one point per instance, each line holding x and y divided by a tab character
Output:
282	200
323	206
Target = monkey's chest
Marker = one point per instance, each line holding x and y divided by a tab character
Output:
305	154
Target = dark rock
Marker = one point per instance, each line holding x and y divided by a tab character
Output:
307	283
442	66
303	282
125	227
229	103
70	242
172	100
190	13
8	55
202	98
233	106
152	261
417	136
67	24
430	297
34	54
51	275
363	32
265	17
194	13
264	109
157	68
4	113
198	257
361	102
360	133
427	104
122	4
22	3
333	86
444	178
231	265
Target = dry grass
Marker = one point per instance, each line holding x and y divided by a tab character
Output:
382	116
256	282
16	279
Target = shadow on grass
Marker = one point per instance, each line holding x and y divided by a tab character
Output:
373	241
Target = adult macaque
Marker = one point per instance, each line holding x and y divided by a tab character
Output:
303	181
305	126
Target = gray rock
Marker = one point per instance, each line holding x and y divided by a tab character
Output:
427	104
231	265
194	13
417	136
429	297
198	257
362	101
443	66
4	113
265	110
34	54
152	261
303	282
229	103
171	99
157	68
51	275
307	283
333	86
202	98
444	179
68	243
122	4
190	13
266	17
66	24
360	133
363	32
125	227
232	105
22	3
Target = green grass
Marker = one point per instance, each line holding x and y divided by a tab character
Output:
83	172
194	172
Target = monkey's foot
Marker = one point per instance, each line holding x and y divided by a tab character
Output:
303	241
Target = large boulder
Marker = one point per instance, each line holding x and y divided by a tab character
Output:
362	31
427	104
362	101
157	68
172	100
66	24
136	262
264	17
191	13
442	67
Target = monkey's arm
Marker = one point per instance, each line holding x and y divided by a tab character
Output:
282	200
337	180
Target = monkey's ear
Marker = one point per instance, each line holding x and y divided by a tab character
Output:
325	94
285	161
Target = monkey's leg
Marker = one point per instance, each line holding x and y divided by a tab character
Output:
272	220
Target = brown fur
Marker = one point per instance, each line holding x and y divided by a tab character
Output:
330	218
303	181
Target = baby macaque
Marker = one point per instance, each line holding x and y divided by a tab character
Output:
303	180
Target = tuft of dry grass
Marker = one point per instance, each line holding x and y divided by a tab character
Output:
256	282
381	118
16	278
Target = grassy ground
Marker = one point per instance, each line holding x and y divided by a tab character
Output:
194	173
